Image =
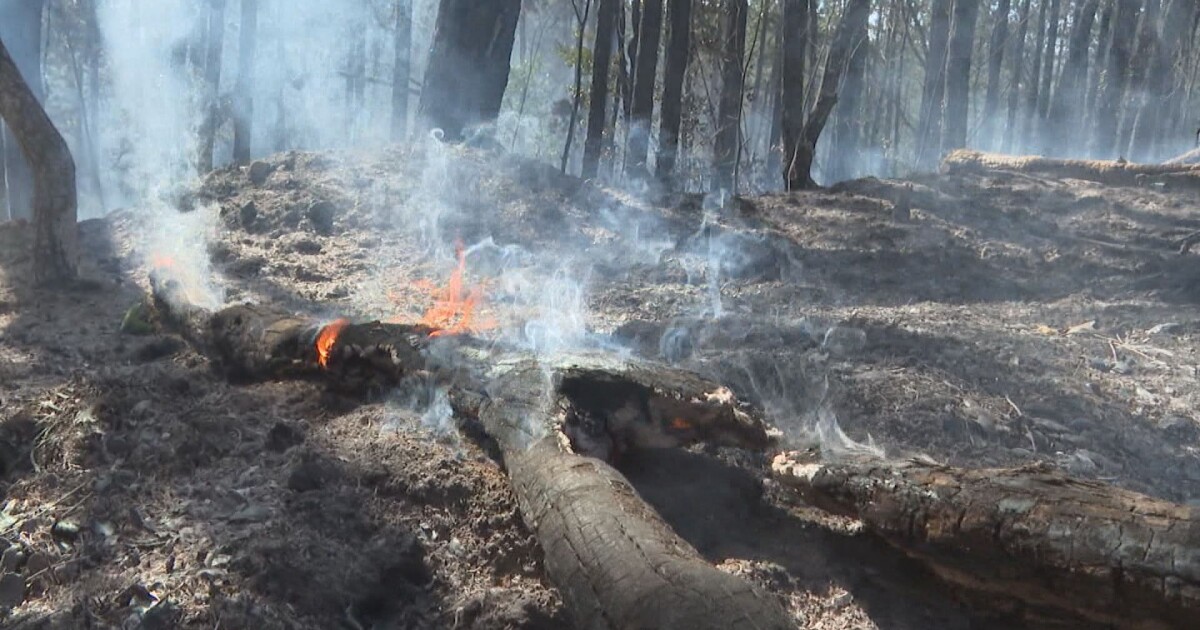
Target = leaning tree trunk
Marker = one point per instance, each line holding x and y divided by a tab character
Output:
929	130
1063	127
468	66
401	69
958	74
1108	107
214	45
1018	74
729	108
55	245
21	30
678	52
850	28
848	122
794	43
645	69
606	21
991	100
243	115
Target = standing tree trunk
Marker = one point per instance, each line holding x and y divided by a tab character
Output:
794	43
1048	57
729	119
1154	105
645	69
468	64
606	21
1112	94
958	74
56	242
1139	66
581	17
1029	116
848	123
212	83
1103	39
401	70
678	48
244	109
774	160
929	129
991	101
21	29
1063	126
852	24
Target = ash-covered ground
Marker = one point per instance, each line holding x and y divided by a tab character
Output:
977	320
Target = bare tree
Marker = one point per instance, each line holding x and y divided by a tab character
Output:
958	74
678	52
1063	127
243	116
645	68
729	108
401	69
1049	55
581	17
794	45
929	131
606	19
214	45
1108	106
847	126
55	246
991	101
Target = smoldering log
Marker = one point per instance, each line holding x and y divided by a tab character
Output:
615	561
1032	534
1112	173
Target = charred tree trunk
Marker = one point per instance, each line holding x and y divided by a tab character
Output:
401	69
1048	59
1018	75
929	129
794	43
55	246
678	52
214	45
1029	116
1103	39
1140	87
1063	127
851	26
848	123
774	162
243	117
958	74
606	21
991	101
21	31
581	17
1156	106
729	112
1112	94
468	67
645	69
1026	537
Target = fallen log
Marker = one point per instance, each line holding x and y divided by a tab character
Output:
615	561
1029	534
1112	173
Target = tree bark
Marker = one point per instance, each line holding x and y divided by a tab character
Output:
1156	106
1048	59
1032	90
1112	94
847	127
958	74
55	246
401	69
243	117
929	129
214	45
606	21
1141	86
991	101
1025	537
1103	40
794	43
729	108
645	69
1064	113
21	30
1180	176
678	53
468	66
1018	74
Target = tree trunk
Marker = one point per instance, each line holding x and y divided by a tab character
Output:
243	117
1112	94
645	69
991	101
577	94
1156	105
1063	130
56	245
1103	40
468	66
1048	59
1140	84
21	30
794	43
958	74
729	108
606	21
678	52
929	130
214	45
850	28
1177	42
775	151
847	126
1018	74
401	69
1030	129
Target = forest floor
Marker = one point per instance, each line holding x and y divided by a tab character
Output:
1002	319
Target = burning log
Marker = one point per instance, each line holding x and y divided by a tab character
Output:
1112	173
615	561
1029	534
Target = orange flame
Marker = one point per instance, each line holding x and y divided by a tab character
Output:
679	424
455	306
327	337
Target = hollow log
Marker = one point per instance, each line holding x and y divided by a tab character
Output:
1031	534
1112	173
616	562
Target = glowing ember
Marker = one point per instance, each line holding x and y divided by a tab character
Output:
455	306
679	424
162	261
326	338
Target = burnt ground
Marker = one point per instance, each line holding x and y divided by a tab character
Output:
1000	320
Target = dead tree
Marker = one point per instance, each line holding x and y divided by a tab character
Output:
848	124
243	114
1032	88
645	69
1049	55
56	237
794	44
1017	62
678	53
1103	39
1112	95
929	129
729	105
606	21
1063	126
958	74
991	100
21	30
214	45
613	559
468	67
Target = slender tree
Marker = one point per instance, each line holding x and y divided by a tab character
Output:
1103	39
991	101
581	19
847	125
401	69
1018	74
1108	105
678	52
1064	127
243	116
958	74
215	45
1049	56
729	125
933	90
606	18
794	43
645	69
1033	86
1146	46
